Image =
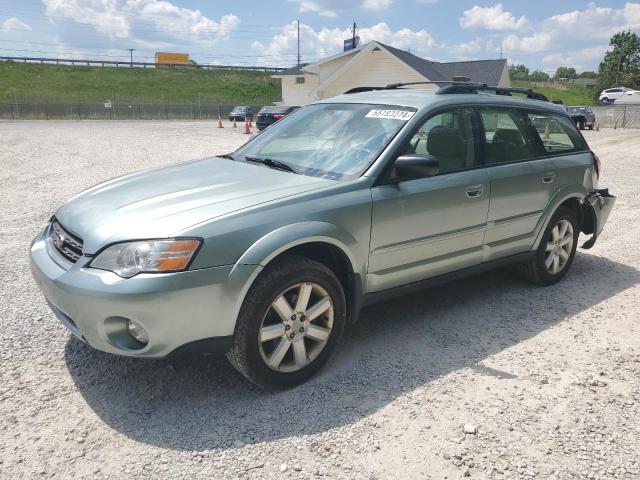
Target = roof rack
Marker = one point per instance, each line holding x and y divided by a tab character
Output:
456	86
465	87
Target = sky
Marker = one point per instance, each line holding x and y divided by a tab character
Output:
542	35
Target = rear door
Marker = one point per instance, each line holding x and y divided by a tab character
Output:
429	226
523	181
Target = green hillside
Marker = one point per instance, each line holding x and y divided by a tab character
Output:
569	94
34	82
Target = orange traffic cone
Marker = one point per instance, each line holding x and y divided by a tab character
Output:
597	127
250	124
220	122
234	123
247	129
546	132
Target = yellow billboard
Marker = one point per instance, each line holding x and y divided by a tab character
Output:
172	58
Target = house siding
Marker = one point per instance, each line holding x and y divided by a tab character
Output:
505	79
298	94
374	69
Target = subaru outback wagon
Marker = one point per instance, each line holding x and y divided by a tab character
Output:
267	253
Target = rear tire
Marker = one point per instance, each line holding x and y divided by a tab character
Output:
581	124
556	251
280	339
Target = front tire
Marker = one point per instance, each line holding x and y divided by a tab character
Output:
289	324
556	251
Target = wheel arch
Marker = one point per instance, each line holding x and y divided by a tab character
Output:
320	241
569	198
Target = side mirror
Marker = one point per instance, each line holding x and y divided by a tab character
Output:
415	166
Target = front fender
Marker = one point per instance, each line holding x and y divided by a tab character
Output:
284	238
257	256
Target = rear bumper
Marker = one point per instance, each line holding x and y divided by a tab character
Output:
597	207
176	309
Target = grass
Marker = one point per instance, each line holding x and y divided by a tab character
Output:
569	94
61	83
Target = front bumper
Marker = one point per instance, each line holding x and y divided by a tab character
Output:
176	309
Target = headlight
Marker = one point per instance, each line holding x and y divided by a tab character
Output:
147	256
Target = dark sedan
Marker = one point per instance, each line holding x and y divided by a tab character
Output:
582	117
241	114
270	115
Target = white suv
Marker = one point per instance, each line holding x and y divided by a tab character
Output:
608	96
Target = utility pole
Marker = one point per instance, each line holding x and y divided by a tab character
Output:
299	60
131	56
500	52
354	35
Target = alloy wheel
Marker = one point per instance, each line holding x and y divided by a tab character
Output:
559	247
296	327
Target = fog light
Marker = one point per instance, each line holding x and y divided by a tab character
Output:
137	332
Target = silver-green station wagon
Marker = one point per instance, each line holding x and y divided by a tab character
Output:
267	253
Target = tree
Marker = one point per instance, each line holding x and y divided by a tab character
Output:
566	72
621	64
588	74
538	76
518	72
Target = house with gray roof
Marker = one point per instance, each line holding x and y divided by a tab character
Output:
375	65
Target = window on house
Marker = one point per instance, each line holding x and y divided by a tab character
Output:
299	80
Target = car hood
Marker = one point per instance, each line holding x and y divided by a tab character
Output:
164	202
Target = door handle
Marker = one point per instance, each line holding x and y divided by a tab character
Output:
474	191
548	177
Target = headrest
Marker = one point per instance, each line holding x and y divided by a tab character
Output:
508	136
445	142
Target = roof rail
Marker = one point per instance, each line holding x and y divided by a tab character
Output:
464	87
393	86
456	86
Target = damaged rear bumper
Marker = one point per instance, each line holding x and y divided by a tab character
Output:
596	209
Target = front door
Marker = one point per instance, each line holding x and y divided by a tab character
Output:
425	227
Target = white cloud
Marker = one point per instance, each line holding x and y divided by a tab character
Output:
468	50
491	18
153	20
328	41
330	8
577	38
14	23
310	6
376	5
538	42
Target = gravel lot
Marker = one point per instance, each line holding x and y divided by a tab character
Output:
548	378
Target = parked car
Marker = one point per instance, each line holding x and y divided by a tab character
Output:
270	115
630	98
608	96
241	114
267	253
582	117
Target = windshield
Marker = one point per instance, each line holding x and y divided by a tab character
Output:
336	141
577	109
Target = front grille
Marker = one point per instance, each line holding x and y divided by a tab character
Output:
65	243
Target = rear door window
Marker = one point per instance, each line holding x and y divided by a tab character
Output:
505	136
557	134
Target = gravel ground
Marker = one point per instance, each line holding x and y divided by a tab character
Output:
544	380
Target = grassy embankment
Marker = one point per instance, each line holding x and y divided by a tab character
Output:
60	83
569	94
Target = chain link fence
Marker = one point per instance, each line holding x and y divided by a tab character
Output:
619	116
114	111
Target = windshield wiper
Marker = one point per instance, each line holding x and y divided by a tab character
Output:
273	164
